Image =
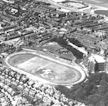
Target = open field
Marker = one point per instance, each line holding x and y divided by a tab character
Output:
46	68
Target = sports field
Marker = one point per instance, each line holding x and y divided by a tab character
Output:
103	3
46	68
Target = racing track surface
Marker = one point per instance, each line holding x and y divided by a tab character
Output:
44	68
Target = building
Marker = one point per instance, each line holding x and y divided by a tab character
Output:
99	67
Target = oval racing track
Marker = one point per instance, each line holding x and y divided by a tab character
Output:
36	65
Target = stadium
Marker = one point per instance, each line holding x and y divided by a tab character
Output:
46	69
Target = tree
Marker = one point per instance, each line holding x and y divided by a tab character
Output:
93	92
93	99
